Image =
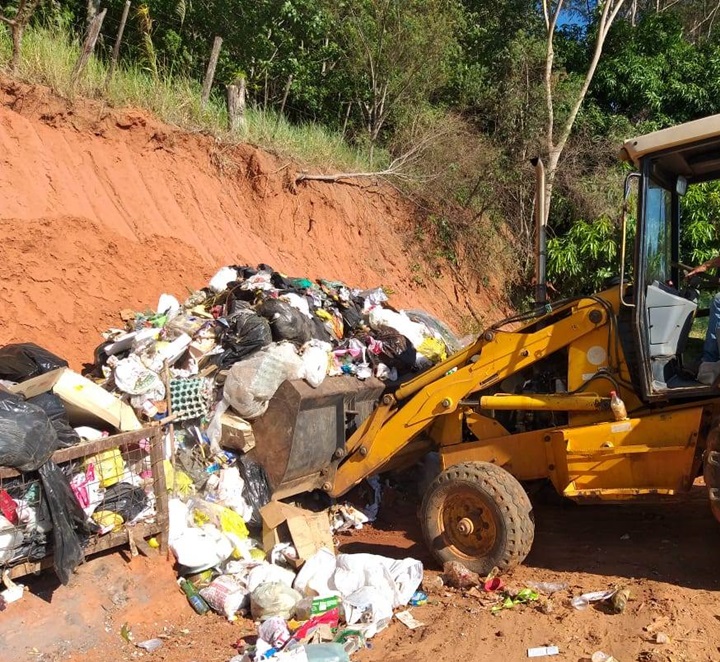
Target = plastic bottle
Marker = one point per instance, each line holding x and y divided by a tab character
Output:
618	407
194	598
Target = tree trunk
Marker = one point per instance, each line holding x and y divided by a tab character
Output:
17	29
210	73
236	104
89	45
118	41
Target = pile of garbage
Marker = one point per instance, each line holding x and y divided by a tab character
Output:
201	372
256	328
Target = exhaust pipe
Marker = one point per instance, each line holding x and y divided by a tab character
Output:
540	233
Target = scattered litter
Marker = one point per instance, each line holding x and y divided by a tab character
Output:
547	587
583	601
625	536
510	600
419	598
494	584
662	638
408	620
543	651
151	645
458	576
619	600
600	656
657	624
126	633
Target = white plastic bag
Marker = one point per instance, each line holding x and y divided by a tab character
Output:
298	302
400	322
273	599
200	549
225	596
356	571
251	383
396	580
220	280
407	575
315	357
132	377
368	605
267	573
315	575
11	538
168	304
230	492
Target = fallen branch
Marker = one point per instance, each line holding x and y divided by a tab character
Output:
306	176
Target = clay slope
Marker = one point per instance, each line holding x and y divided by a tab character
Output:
102	210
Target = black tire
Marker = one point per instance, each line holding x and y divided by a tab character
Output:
478	514
711	468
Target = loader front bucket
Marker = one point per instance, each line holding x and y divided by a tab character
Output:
301	437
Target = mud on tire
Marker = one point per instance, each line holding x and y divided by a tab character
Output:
478	514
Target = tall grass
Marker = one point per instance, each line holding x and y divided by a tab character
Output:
48	58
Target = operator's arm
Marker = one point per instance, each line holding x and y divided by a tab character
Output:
712	263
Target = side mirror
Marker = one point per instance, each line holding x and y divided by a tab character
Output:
681	185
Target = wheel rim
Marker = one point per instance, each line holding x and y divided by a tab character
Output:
467	522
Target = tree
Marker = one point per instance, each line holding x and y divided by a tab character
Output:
555	141
398	52
18	22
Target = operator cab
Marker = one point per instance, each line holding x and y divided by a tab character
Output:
668	313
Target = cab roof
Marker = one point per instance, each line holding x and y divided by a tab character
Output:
691	149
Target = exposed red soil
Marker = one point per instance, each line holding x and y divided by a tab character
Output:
106	209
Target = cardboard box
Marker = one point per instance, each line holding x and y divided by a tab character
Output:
84	400
236	433
308	531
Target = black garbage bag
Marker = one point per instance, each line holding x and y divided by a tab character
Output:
286	322
22	361
53	406
352	317
233	306
246	333
320	330
397	352
68	520
126	500
27	442
256	490
27	437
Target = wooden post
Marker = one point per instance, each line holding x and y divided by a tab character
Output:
236	104
89	45
118	40
284	99
210	73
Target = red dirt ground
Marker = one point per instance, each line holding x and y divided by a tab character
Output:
669	563
105	209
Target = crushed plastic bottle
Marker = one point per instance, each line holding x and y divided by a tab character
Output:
618	407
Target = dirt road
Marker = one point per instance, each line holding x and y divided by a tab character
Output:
666	555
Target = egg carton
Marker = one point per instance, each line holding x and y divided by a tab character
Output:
190	398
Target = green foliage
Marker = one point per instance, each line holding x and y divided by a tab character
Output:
49	57
700	209
580	261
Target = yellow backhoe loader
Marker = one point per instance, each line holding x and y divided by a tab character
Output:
530	399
